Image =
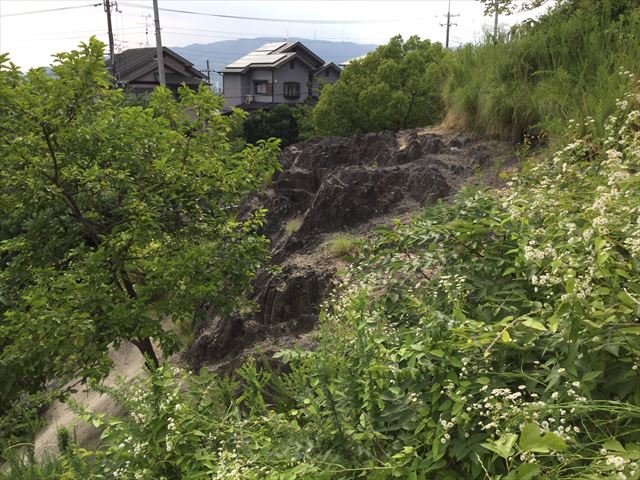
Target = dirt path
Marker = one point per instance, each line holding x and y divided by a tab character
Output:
128	364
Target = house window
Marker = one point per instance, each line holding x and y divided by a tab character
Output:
260	87
292	64
291	90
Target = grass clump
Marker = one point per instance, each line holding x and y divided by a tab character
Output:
564	66
343	244
495	336
293	225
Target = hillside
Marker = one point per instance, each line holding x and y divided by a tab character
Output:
222	53
330	195
392	298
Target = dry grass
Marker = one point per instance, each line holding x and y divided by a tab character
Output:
293	225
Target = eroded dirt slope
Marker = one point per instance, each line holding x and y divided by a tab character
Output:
329	185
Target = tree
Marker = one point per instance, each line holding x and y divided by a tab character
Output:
396	86
278	122
509	7
115	219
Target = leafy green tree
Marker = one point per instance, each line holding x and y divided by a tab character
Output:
115	219
303	114
278	122
397	86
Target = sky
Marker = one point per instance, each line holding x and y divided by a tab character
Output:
32	39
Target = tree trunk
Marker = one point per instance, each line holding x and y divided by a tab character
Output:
146	348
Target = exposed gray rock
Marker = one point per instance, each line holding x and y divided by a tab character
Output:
329	184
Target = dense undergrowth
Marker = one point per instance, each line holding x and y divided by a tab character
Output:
543	73
496	336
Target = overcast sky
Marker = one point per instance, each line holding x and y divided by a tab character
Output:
32	39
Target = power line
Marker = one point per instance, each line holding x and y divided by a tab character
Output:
233	55
234	35
265	19
51	10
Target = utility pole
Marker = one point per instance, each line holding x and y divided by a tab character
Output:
449	24
495	21
159	54
146	28
107	8
208	73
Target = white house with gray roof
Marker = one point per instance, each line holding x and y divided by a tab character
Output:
278	72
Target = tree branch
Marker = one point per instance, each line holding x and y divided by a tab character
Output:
47	137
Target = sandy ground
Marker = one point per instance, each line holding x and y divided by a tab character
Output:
128	364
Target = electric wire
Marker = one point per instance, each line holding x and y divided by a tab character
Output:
266	19
50	10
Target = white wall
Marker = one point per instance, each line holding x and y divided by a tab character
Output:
232	88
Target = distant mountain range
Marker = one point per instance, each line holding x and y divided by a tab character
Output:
221	54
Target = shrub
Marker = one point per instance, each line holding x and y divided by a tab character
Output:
280	122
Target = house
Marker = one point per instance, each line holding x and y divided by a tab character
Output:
137	70
278	72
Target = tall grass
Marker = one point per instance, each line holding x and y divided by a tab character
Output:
20	464
534	79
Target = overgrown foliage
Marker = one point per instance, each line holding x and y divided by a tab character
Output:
543	73
396	86
496	336
278	122
114	219
510	6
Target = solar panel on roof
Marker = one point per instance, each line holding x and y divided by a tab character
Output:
270	47
261	58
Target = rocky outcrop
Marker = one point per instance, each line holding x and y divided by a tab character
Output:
326	185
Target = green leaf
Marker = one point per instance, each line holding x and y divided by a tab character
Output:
527	471
553	322
503	446
532	441
625	298
600	243
506	338
536	325
614	445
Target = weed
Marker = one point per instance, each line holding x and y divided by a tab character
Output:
293	225
343	244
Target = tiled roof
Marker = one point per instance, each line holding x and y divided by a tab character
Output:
327	65
135	62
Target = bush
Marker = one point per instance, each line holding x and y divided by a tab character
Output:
281	122
397	86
